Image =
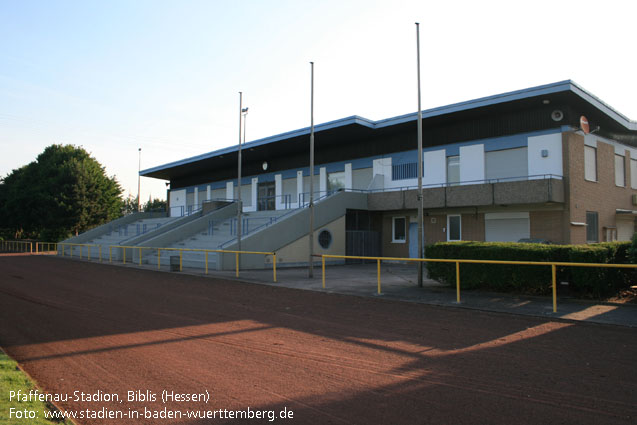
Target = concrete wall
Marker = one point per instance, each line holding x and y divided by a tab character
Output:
292	228
487	194
297	252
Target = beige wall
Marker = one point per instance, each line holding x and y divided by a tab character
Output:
395	249
298	251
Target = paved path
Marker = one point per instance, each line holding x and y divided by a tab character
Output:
329	358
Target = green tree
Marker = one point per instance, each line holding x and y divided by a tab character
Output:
65	191
155	205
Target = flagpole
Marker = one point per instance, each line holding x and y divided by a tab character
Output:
239	206
420	168
311	206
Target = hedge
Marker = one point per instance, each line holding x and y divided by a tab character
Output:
584	282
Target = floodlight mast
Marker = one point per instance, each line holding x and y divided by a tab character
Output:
311	206
139	181
420	170
239	206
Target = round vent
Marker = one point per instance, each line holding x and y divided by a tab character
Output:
557	115
325	239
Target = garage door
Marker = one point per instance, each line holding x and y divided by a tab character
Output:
506	227
625	229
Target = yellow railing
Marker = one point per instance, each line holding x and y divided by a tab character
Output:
41	247
457	262
17	246
139	250
71	246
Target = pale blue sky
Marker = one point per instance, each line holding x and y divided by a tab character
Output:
114	76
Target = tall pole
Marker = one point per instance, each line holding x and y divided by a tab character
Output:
139	181
420	170
311	234
239	206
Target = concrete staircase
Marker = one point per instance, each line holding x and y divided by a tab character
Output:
217	233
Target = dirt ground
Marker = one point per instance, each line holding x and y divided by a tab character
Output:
329	359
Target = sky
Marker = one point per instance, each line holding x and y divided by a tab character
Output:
164	76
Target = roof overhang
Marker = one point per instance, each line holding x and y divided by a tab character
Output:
614	125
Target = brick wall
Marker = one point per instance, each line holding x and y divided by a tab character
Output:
547	225
602	196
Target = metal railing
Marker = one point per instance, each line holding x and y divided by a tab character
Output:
42	247
181	251
462	183
17	246
459	261
72	247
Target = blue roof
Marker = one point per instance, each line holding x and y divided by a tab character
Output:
561	86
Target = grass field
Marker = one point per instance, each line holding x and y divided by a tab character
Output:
13	379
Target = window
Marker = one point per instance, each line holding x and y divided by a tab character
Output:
590	163
633	173
453	169
507	163
454	228
404	171
399	225
592	231
620	171
336	181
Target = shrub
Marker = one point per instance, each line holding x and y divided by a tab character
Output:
583	281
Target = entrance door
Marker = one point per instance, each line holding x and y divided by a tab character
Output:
413	240
265	196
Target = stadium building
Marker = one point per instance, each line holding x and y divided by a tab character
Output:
518	165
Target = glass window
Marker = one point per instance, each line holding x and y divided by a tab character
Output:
336	181
620	171
592	230
454	228
453	169
399	225
633	173
590	163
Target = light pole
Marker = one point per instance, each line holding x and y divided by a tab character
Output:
420	170
311	206
139	181
239	206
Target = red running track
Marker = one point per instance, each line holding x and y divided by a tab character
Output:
330	359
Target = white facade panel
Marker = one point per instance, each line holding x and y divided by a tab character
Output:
348	176
435	167
551	145
177	202
471	164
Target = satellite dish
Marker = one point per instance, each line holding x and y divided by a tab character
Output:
583	124
557	115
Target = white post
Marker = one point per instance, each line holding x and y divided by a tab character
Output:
322	181
299	188
348	177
